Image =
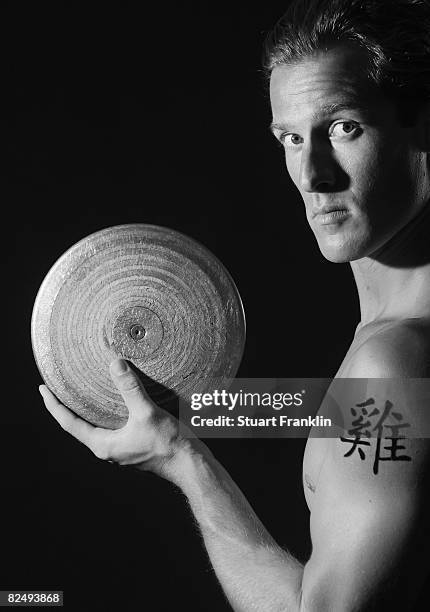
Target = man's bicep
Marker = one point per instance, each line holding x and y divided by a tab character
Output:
365	530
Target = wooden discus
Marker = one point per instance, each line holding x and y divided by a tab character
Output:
145	293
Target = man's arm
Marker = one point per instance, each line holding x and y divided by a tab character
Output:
365	532
369	524
255	573
351	558
368	531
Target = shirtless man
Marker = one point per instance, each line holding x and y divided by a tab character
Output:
357	148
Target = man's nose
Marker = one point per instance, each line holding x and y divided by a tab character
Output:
317	169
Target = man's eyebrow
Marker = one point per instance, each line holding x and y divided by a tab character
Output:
277	126
336	107
327	110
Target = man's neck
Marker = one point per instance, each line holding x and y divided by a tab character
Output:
395	284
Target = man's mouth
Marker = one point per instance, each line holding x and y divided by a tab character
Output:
327	209
329	214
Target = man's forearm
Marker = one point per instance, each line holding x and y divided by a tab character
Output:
255	573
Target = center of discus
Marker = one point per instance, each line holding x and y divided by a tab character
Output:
137	332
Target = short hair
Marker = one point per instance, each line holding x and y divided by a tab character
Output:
394	33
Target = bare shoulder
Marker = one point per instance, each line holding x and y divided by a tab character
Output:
390	349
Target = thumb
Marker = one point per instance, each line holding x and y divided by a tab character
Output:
131	388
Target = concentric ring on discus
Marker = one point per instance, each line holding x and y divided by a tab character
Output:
146	293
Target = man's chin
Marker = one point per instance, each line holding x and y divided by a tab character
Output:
334	257
341	252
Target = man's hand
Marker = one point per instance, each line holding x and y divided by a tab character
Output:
148	441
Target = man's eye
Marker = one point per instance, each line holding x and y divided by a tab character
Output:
290	140
344	129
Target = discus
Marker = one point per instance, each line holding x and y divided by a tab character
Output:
145	293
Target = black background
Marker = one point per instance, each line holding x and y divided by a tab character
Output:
151	114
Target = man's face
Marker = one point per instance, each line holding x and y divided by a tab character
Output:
359	172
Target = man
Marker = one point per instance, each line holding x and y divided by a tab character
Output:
349	87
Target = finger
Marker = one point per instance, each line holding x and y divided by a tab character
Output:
132	390
71	423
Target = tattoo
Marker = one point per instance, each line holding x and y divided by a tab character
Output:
362	427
